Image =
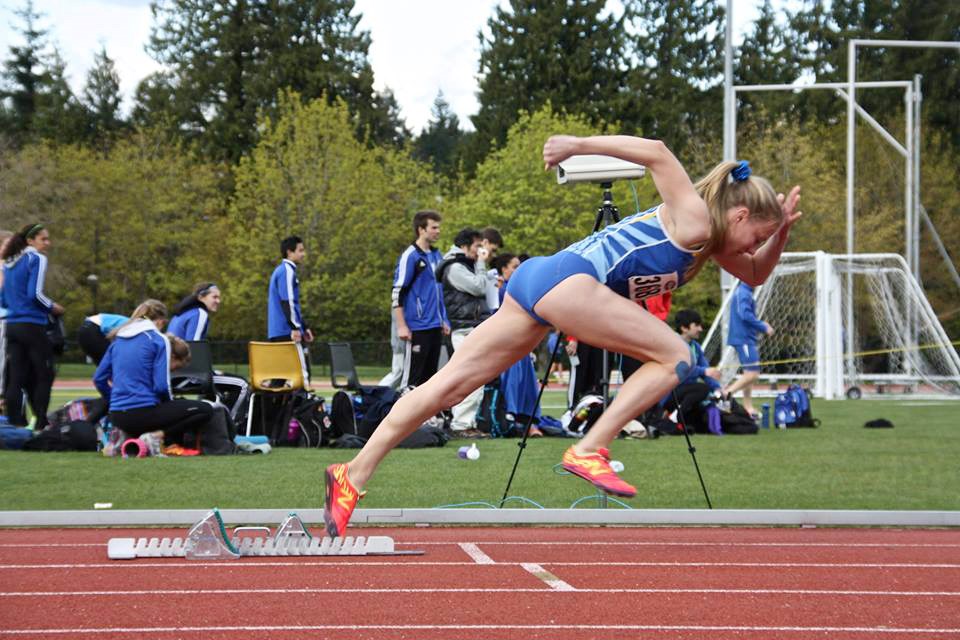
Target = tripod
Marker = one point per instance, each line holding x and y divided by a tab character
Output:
607	213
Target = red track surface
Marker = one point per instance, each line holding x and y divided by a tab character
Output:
702	583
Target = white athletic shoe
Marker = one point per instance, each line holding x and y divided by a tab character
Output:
154	444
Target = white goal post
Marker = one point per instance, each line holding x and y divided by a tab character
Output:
898	342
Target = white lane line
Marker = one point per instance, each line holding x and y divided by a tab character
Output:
335	562
474	552
551	580
694	543
484	627
538	571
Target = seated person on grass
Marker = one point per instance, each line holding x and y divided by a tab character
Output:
94	331
703	379
134	379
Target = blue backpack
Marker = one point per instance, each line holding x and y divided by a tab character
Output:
792	408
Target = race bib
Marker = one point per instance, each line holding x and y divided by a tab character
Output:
641	287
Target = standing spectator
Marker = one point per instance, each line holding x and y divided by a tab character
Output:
93	332
491	242
29	351
518	384
742	336
284	317
397	349
191	321
134	379
465	281
418	301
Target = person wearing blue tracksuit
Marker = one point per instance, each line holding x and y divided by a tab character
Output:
191	321
745	326
29	351
417	301
134	379
284	316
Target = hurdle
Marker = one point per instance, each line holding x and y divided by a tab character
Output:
208	540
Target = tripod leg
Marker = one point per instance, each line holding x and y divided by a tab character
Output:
526	429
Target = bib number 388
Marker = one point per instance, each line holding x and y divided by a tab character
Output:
641	287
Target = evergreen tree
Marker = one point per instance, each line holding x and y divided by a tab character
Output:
768	55
439	142
101	98
676	87
229	60
25	76
60	117
568	53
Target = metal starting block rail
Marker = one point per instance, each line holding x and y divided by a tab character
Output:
208	540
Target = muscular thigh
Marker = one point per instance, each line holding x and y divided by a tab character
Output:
580	306
505	337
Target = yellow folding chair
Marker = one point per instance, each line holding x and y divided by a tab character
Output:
276	368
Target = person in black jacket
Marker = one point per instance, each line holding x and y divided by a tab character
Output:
463	274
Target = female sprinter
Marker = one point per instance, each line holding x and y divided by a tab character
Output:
589	290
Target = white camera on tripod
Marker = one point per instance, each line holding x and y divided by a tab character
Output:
594	168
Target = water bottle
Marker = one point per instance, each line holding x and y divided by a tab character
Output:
616	466
462	452
473	453
293	430
765	416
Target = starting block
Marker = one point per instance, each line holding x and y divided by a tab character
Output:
208	540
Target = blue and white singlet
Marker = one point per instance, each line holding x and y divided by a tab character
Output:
636	257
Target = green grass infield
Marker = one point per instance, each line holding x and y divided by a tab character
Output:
841	465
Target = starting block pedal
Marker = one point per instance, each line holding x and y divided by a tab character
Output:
208	540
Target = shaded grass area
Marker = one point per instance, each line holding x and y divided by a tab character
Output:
838	466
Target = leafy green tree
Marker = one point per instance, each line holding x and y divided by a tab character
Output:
147	220
513	193
25	75
352	204
101	98
675	90
568	53
440	141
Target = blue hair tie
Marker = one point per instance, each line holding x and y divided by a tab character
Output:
741	172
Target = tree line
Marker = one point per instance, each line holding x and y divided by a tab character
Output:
264	122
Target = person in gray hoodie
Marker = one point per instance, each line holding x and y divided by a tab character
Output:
463	273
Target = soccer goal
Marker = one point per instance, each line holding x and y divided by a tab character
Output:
894	345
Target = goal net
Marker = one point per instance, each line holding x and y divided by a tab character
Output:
845	324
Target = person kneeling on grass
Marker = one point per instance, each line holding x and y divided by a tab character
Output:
134	379
589	290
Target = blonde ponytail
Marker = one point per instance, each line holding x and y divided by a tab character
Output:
149	309
721	191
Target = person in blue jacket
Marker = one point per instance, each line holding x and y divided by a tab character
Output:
191	321
742	336
590	290
417	301
191	317
134	379
29	351
93	332
284	316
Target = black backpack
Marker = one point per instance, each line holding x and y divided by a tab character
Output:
76	435
492	413
315	425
